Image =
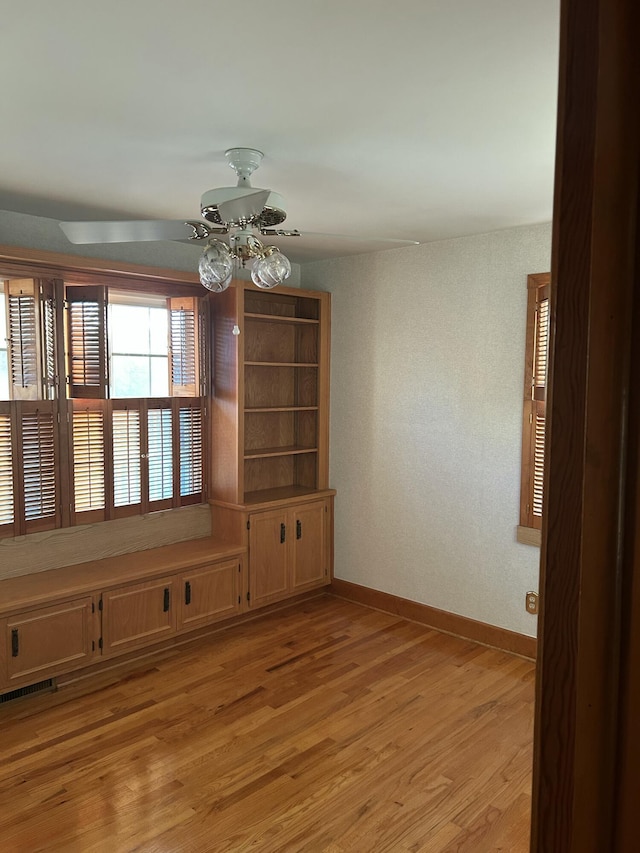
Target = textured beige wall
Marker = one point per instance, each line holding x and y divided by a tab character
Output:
426	407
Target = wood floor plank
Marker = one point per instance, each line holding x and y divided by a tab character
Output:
323	728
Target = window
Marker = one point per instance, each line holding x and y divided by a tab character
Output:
535	394
126	435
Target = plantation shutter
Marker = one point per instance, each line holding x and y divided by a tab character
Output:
38	426
87	342
126	457
535	396
190	427
7	508
24	340
48	324
184	347
539	397
160	454
89	475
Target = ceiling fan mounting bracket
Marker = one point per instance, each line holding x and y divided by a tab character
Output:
244	161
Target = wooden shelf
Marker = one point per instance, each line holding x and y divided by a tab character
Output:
279	318
281	364
284	493
253	409
265	452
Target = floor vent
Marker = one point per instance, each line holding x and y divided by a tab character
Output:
27	691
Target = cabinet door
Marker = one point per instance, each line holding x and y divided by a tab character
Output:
210	593
42	643
138	614
270	540
309	562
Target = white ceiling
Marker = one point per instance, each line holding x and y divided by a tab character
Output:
423	119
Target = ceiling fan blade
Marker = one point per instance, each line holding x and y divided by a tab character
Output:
130	232
278	232
244	208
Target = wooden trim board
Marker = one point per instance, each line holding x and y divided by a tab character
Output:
441	620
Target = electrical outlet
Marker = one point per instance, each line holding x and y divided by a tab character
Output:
531	602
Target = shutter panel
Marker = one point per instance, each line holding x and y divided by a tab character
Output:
539	424
7	509
39	454
87	341
127	483
160	454
88	435
535	393
190	424
541	347
48	322
24	344
184	349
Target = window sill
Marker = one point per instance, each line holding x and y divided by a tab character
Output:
528	535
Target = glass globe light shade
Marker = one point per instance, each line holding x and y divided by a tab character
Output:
271	270
215	267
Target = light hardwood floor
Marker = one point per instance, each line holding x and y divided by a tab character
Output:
322	727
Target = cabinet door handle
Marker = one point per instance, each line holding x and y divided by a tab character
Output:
166	599
283	533
187	592
298	529
15	643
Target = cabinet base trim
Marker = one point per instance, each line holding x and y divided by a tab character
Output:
123	661
441	620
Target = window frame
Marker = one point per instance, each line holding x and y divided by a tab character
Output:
61	273
534	409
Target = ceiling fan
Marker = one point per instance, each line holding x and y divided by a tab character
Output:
242	212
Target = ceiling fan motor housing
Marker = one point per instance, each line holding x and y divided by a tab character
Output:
272	214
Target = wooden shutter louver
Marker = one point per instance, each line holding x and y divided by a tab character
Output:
183	332
541	347
38	442
160	454
88	460
190	424
127	482
48	321
534	420
24	340
86	344
7	509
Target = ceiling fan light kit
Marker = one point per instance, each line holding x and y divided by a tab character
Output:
238	211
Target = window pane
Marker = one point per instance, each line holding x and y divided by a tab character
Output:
158	331
159	367
4	375
130	376
129	329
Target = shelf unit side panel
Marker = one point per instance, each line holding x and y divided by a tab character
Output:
227	424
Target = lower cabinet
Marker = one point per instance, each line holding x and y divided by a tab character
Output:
144	613
287	551
138	614
47	641
210	593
